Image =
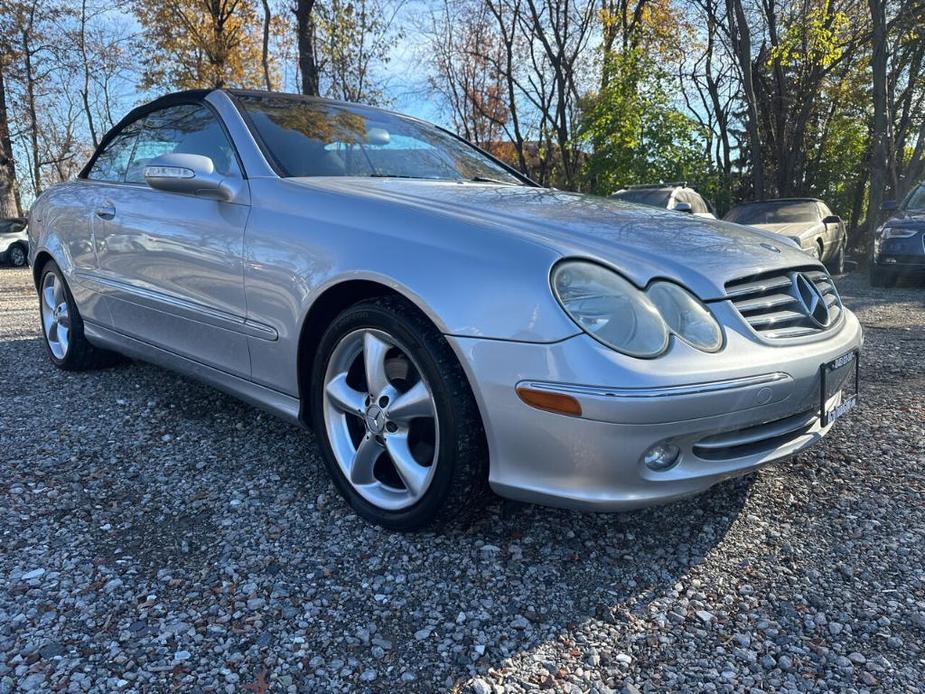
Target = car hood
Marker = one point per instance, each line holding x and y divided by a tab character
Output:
791	229
908	220
641	242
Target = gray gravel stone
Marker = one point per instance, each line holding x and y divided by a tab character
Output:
229	564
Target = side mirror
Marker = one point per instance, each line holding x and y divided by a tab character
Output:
889	206
831	219
683	207
192	174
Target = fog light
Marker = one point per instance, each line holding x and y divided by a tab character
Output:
661	456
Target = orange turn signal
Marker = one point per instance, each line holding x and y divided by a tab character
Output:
551	402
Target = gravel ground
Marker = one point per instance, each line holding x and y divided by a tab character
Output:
157	534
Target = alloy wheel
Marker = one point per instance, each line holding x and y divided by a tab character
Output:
55	317
381	419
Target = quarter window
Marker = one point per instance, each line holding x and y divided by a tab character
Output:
184	129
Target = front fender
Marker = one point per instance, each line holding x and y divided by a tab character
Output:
470	280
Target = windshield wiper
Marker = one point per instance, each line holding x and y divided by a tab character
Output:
417	178
489	179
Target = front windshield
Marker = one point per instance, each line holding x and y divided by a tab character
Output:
652	197
916	200
314	138
794	212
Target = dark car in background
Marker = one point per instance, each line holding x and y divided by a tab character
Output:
14	241
807	221
899	244
667	196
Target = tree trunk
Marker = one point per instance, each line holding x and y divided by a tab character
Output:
85	89
878	149
743	48
29	76
9	200
265	57
308	68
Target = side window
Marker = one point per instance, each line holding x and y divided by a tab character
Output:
184	129
112	162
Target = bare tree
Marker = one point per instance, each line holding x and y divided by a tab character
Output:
9	197
265	47
878	153
305	34
740	37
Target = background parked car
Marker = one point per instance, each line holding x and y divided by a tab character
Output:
807	221
899	245
14	242
668	196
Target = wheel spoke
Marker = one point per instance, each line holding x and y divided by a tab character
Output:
48	296
62	335
59	292
63	317
47	320
52	331
413	474
374	351
417	402
345	398
367	453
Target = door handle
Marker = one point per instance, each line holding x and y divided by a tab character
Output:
106	212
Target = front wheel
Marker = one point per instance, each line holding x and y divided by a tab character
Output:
836	264
399	427
17	255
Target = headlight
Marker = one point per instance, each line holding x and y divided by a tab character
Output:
610	309
686	316
629	320
897	233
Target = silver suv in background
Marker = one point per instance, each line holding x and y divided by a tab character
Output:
668	196
14	242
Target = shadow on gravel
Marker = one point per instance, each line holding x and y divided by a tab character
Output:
227	513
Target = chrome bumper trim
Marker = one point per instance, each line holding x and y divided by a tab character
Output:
658	392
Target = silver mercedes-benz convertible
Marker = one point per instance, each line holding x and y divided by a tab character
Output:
445	324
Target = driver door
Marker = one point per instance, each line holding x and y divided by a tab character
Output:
173	262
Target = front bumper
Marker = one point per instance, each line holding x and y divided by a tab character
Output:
901	255
729	413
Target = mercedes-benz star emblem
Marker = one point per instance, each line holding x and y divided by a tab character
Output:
811	298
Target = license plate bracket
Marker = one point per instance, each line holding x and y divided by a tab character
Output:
849	399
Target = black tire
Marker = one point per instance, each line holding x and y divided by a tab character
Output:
836	265
459	484
17	255
881	278
80	354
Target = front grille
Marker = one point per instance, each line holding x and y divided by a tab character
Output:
755	439
780	304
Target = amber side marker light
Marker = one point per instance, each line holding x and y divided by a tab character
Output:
551	402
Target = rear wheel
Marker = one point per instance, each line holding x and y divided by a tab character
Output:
836	264
63	327
17	255
398	424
